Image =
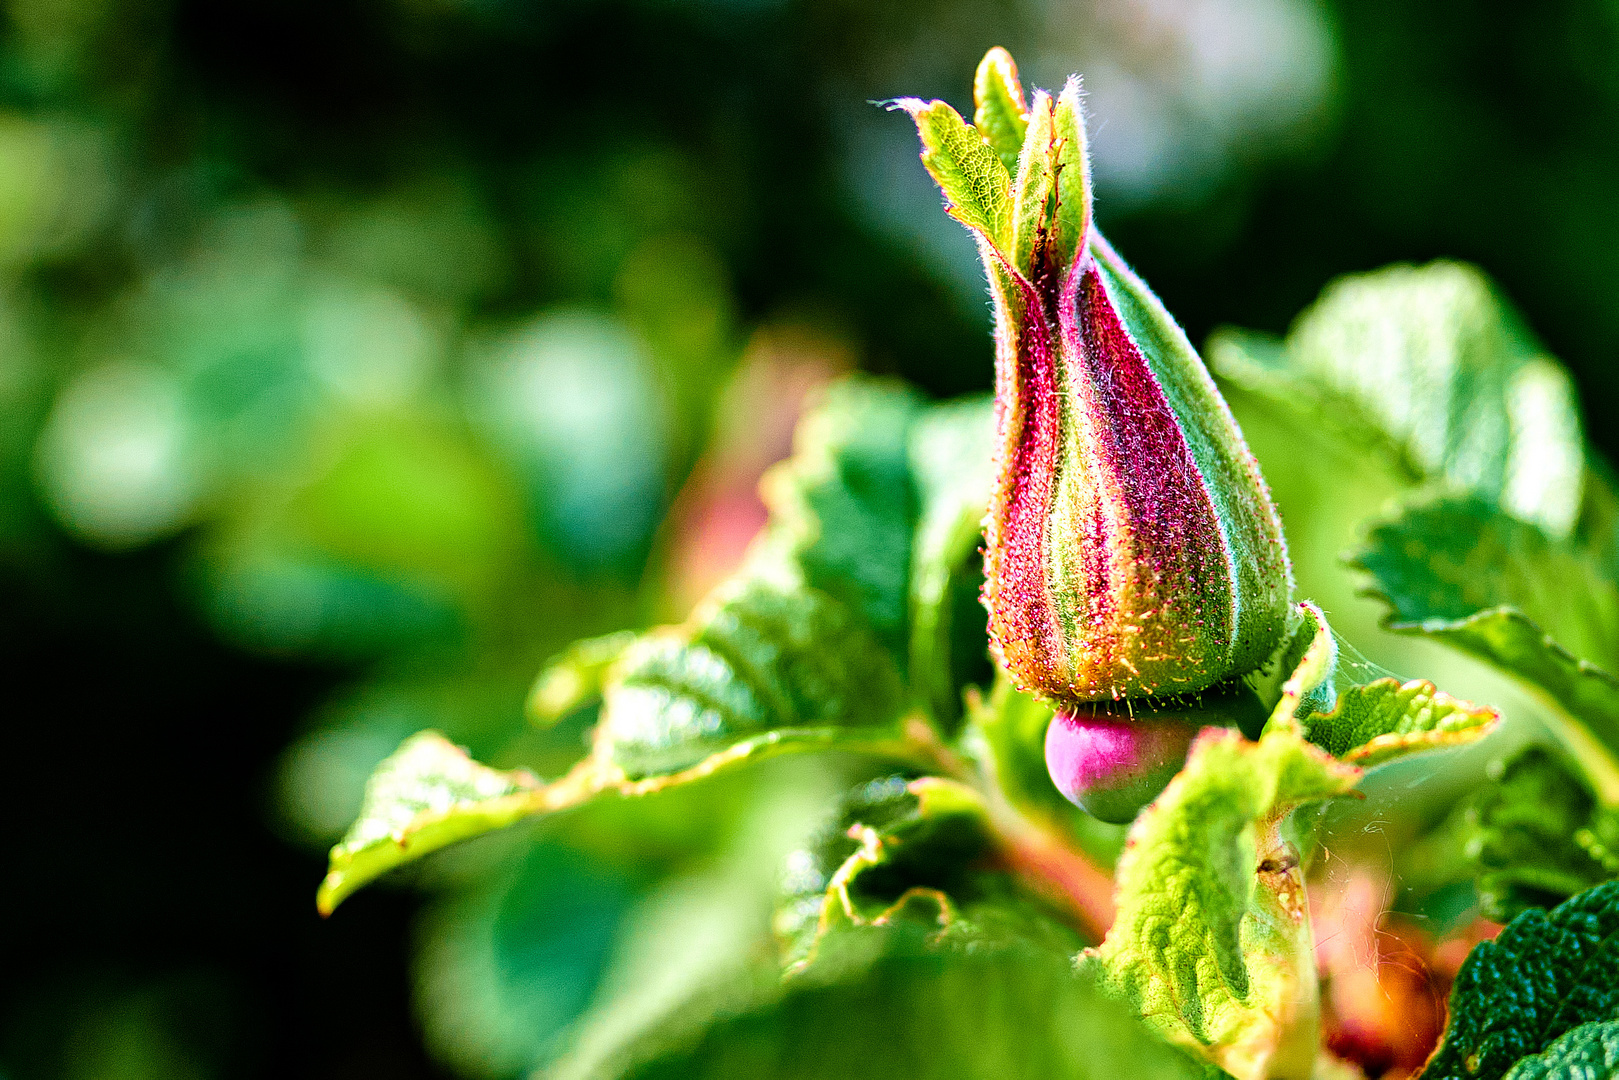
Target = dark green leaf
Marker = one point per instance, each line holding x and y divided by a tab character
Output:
503	968
1589	1052
1535	836
1542	977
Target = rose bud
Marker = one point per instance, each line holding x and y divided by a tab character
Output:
1132	549
1110	760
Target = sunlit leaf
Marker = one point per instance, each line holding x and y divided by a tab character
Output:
429	793
1212	941
977	184
1431	366
1000	113
1458	572
1341	704
758	655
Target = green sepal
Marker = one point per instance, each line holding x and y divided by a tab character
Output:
1034	190
1342	704
1542	977
1212	941
999	112
1073	217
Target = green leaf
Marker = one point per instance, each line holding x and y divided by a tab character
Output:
1456	571
503	968
1430	365
1449	558
885	1001
1542	977
999	113
429	793
844	507
952	460
1535	836
1340	702
574	678
800	651
919	851
976	183
1588	1052
759	656
1212	940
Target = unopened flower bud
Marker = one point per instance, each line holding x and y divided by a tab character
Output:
1132	546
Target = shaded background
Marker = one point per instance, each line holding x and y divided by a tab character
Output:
355	356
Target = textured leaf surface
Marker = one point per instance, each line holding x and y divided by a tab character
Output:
1212	941
1431	365
1536	837
759	655
428	794
1589	1052
1342	704
887	1003
1542	977
976	183
802	650
844	506
1454	570
1450	558
919	852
